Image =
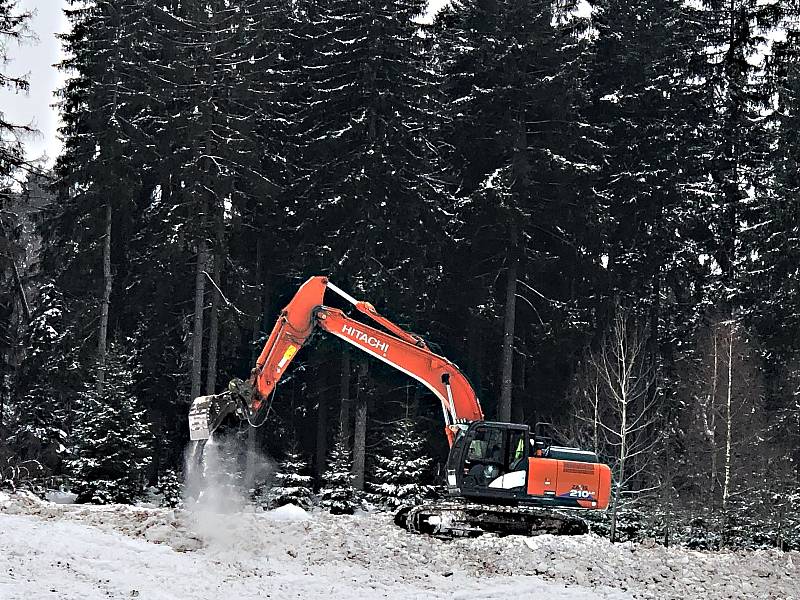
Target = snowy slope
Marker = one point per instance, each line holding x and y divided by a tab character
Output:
88	553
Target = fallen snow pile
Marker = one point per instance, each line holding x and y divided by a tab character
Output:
289	512
156	525
289	553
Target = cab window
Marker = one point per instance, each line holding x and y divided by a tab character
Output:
487	445
516	451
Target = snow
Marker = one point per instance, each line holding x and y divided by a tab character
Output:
60	497
93	552
289	512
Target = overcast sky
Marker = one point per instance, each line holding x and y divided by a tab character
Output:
37	59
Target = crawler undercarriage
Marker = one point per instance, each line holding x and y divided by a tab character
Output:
468	519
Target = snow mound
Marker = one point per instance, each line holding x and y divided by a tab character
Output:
289	512
59	497
21	502
158	526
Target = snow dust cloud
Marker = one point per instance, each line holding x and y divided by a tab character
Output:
220	477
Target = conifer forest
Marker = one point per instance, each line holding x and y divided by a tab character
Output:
593	209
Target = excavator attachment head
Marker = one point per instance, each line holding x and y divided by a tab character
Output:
207	413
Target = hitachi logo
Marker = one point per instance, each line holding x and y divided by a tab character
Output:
362	337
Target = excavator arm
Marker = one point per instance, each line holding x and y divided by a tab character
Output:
305	313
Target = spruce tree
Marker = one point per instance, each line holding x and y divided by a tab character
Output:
112	441
99	173
652	219
292	485
365	134
337	494
775	276
524	157
644	100
773	297
734	140
11	249
170	489
13	28
401	468
41	411
214	154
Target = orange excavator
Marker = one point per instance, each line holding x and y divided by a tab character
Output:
500	477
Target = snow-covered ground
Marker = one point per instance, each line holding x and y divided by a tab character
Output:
59	551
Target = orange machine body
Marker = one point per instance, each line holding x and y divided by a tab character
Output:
588	484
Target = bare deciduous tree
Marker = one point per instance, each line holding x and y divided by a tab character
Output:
621	403
722	423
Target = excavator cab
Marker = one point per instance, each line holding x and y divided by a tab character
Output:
489	459
502	463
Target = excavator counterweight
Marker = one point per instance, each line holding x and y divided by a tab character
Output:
501	477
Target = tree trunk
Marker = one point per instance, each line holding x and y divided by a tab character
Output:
216	302
322	432
623	450
476	342
412	412
253	433
102	337
23	299
506	385
710	418
360	436
205	189
158	444
344	392
728	421
517	404
197	331
267	318
625	362
667	498
596	418
256	335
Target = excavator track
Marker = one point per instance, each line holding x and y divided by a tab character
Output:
466	519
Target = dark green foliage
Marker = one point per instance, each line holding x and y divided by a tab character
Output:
170	488
11	249
112	442
337	493
365	132
644	100
14	23
744	525
401	469
524	161
41	411
292	484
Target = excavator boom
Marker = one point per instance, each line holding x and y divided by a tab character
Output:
302	316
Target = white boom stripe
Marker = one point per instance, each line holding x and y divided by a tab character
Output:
342	293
